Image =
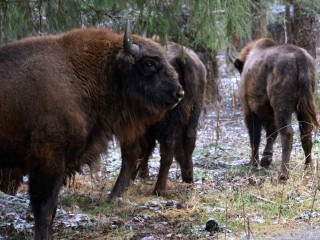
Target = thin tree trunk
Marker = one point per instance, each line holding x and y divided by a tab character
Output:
304	31
263	21
255	21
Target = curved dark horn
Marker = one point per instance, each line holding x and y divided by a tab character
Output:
230	54
144	29
133	49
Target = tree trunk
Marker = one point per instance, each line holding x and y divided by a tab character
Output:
263	21
304	32
289	22
259	20
255	21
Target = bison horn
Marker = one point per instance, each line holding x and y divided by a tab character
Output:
129	47
230	54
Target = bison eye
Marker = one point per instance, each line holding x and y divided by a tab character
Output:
149	66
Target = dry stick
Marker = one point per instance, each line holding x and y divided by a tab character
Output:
250	233
226	211
217	127
316	184
246	220
262	199
281	202
316	188
244	215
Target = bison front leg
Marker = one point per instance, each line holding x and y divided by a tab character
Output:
271	134
44	185
166	154
130	153
254	126
183	153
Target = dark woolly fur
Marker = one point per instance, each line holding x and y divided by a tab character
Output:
176	132
277	80
62	98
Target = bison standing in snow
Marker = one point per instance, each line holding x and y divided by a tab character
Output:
277	80
176	132
62	98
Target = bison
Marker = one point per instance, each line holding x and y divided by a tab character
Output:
63	97
277	80
176	132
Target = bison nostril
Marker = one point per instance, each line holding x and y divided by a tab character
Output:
180	94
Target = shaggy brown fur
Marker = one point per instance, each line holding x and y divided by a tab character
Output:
176	133
277	81
62	98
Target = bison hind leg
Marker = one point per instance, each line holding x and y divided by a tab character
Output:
271	134
305	126
148	144
254	127
43	190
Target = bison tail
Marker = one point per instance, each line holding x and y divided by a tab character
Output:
306	102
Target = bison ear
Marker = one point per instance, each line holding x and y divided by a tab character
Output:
238	65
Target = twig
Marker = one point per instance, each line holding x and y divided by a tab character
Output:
281	202
226	208
316	188
262	199
245	218
249	230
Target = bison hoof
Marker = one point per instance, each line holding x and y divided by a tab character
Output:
144	175
158	192
187	176
187	179
253	163
283	177
266	161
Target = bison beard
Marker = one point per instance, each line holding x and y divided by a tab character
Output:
176	132
277	81
62	98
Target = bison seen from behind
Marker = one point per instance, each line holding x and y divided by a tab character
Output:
62	98
277	80
176	132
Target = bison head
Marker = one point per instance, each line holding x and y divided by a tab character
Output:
146	74
238	64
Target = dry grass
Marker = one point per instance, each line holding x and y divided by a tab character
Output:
247	203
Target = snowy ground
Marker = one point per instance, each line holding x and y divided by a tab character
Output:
222	144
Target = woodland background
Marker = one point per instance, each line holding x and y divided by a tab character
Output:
227	201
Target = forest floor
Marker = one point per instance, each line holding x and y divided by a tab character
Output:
227	200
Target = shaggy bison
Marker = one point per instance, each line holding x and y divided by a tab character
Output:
176	132
62	98
277	80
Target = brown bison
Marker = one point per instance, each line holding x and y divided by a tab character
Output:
176	132
62	98
277	80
